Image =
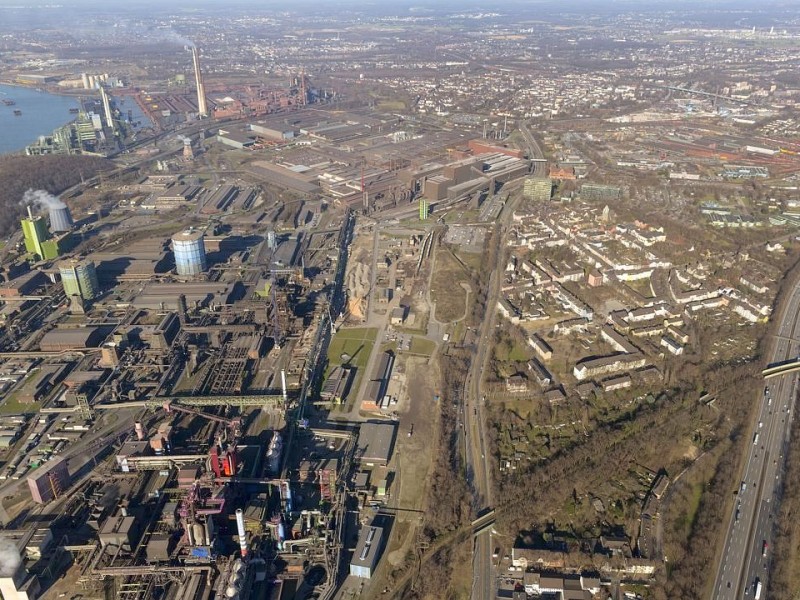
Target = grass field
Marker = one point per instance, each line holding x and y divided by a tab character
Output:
515	353
12	406
420	345
356	342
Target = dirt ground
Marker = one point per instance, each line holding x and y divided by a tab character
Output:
357	275
446	289
412	463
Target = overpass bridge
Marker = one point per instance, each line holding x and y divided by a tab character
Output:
781	368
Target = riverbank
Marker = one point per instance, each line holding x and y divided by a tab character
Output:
35	112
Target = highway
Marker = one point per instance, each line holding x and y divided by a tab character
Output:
746	554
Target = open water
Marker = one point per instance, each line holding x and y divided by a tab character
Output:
41	114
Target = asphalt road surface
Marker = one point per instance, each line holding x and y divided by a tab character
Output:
747	553
478	468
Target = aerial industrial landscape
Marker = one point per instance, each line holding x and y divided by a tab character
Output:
432	300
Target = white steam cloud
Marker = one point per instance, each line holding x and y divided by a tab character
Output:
41	199
170	35
9	561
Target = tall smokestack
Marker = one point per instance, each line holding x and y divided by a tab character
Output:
242	532
107	108
198	79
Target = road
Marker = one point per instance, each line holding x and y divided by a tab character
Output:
478	469
745	558
478	465
534	151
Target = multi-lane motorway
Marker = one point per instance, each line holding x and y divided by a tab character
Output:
745	560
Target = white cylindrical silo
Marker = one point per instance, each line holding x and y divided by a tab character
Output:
190	252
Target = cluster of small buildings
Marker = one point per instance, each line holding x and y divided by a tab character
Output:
558	569
631	261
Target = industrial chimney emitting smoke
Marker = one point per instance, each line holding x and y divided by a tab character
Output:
198	78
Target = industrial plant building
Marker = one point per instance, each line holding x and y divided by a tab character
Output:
375	443
79	279
368	551
49	482
34	231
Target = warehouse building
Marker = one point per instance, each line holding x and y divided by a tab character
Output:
375	441
50	482
77	338
368	551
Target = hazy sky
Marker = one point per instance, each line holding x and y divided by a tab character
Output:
406	4
19	15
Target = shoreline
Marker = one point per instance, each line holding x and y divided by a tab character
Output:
44	90
21	150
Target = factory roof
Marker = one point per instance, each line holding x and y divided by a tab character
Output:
286	253
154	294
69	338
284	177
118	524
22	280
368	547
375	442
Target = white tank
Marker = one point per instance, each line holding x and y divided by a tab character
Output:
232	592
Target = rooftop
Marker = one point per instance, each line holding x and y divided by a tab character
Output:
375	442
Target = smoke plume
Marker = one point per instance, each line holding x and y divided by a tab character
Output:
9	561
172	36
41	200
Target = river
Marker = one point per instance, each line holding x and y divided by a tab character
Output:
41	114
